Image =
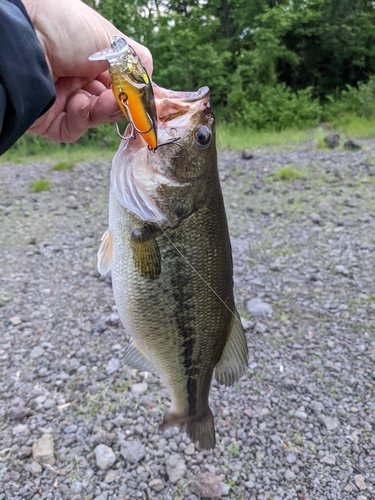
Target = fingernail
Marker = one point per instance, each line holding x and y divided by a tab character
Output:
117	116
84	111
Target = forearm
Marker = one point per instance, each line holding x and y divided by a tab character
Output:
26	88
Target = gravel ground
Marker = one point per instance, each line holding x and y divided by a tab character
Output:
76	424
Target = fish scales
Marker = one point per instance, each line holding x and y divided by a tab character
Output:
179	326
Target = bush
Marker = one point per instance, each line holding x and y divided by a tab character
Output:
276	108
355	101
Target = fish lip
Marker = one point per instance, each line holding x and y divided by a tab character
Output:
181	96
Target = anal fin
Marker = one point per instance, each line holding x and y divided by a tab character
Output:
135	357
105	254
233	362
146	253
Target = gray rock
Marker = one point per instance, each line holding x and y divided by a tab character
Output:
43	450
206	485
132	451
71	429
328	459
332	140
341	270
102	496
352	145
105	457
18	411
258	307
37	352
330	423
316	219
112	366
175	467
291	459
139	388
247	154
156	484
360	482
290	475
111	476
34	468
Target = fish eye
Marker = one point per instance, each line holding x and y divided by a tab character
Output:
203	136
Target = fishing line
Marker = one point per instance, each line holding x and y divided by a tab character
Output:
323	431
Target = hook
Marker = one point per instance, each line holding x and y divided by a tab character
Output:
171	141
123	97
125	138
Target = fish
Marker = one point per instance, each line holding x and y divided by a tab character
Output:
132	88
168	248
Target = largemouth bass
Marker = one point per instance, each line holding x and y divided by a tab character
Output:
169	251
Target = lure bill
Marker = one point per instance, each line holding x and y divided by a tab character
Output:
132	88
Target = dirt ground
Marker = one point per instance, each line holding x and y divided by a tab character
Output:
299	425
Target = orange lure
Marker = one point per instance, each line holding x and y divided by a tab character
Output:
131	87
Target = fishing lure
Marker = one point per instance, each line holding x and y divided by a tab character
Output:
132	89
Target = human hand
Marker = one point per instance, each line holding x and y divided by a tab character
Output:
69	32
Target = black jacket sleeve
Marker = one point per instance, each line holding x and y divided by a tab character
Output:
26	86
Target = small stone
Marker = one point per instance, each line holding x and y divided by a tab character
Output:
290	475
348	488
176	468
102	496
247	154
301	414
71	429
34	468
207	485
328	459
315	218
110	476
332	140
139	388
15	320
225	488
361	497
132	451
36	352
291	459
50	403
156	484
258	307
190	449
43	450
360	482
24	452
112	366
341	270
329	422
104	456
352	145
17	410
19	429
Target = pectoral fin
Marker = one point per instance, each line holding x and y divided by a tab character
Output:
146	253
233	361
135	357
105	254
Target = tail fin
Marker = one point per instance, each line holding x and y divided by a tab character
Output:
200	428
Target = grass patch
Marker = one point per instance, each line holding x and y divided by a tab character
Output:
63	165
237	138
41	184
287	173
354	126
